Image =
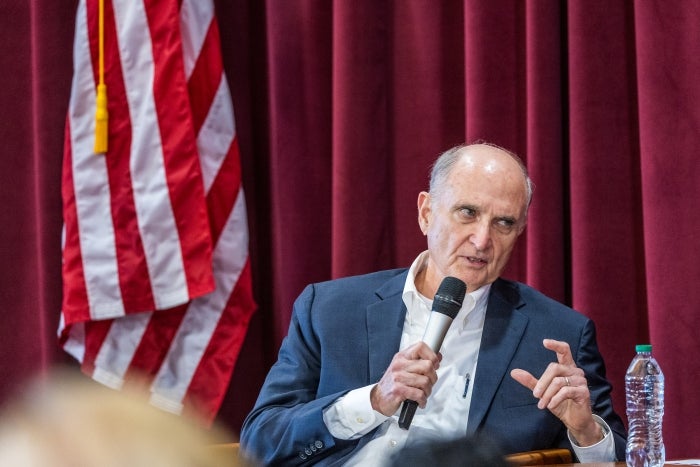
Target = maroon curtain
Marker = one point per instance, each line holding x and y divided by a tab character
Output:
35	73
342	106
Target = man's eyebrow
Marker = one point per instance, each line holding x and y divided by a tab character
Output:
459	206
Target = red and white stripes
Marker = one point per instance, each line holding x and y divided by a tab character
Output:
156	273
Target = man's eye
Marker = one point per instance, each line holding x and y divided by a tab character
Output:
505	225
467	212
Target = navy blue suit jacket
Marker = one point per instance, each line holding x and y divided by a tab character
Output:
344	333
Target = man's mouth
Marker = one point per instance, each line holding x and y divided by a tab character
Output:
476	260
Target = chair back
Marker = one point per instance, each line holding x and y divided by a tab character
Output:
541	457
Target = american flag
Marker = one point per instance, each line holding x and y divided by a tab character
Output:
156	276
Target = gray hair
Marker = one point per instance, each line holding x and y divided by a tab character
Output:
444	164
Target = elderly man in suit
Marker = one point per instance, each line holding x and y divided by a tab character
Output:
515	366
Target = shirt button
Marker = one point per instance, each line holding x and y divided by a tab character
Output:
360	420
393	443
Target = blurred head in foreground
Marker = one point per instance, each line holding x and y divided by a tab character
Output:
464	452
66	420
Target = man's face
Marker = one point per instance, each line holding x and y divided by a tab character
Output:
473	221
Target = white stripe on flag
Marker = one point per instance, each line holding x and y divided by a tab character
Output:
75	342
118	349
195	18
170	385
154	212
216	135
91	187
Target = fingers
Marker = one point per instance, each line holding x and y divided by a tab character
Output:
555	376
411	375
562	388
419	372
421	351
565	367
550	391
562	350
525	378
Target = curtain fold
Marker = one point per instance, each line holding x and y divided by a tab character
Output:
298	58
361	171
34	82
668	61
426	104
602	156
342	106
546	129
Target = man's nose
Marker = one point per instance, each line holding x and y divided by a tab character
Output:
481	236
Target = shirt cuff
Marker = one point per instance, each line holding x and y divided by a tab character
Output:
352	416
602	451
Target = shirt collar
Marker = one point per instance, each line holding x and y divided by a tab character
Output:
411	296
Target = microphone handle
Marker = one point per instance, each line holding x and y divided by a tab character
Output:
408	410
435	331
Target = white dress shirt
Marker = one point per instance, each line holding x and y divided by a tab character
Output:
447	410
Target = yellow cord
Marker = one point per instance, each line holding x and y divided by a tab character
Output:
101	116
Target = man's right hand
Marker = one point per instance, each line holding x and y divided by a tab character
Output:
411	375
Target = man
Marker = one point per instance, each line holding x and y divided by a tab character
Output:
515	366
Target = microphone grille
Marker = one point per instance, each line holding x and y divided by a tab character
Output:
449	297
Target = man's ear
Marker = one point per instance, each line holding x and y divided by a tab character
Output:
523	224
424	210
521	229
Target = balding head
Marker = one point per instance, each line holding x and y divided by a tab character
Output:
478	153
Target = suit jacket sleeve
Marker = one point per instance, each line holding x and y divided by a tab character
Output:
286	425
589	359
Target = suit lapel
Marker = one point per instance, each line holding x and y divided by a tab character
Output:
384	325
503	329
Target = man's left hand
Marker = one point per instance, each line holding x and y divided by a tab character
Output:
563	390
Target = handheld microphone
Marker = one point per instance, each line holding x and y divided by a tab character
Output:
446	304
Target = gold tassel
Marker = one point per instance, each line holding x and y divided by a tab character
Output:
101	120
101	115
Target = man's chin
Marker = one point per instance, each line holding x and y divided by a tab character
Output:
473	281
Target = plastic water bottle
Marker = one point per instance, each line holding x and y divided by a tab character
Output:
644	392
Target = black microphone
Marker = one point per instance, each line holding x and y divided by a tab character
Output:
446	304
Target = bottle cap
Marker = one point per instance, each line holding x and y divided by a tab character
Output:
643	348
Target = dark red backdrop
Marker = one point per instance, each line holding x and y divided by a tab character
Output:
341	106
